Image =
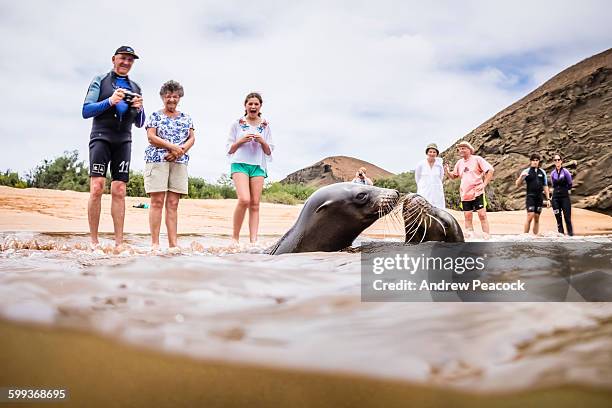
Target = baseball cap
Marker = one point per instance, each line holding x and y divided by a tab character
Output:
126	49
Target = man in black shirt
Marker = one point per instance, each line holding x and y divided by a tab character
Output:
537	182
110	141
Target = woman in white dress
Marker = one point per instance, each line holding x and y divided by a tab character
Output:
429	174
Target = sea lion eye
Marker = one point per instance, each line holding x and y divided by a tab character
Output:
361	196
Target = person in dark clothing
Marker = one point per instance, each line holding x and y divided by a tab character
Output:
114	102
561	180
537	182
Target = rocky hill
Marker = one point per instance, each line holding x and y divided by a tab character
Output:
570	114
334	169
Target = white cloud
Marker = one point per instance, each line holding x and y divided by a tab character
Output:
377	81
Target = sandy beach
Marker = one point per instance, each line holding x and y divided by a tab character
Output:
66	211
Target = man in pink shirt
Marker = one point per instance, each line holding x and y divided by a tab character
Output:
471	169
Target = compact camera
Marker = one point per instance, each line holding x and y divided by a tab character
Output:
128	96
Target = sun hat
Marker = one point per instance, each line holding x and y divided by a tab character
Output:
466	144
432	146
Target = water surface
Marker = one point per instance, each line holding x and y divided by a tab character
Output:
303	311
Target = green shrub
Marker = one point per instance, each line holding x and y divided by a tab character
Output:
65	172
200	188
299	191
135	186
11	179
403	182
451	194
279	197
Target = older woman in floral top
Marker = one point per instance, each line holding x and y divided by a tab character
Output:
170	135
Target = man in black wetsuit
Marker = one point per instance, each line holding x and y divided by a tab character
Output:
112	103
537	182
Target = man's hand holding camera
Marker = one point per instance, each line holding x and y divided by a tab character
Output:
116	97
132	99
137	102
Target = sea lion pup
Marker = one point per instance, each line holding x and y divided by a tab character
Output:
424	222
333	216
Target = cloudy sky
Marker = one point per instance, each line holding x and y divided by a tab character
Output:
376	80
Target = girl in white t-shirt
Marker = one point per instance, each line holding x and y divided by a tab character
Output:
249	147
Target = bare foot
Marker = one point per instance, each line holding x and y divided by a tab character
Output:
123	249
197	247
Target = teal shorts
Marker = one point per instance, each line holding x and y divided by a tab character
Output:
251	170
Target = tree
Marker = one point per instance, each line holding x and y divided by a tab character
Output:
65	172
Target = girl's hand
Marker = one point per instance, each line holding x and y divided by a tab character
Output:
246	139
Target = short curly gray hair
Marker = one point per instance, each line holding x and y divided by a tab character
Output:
170	87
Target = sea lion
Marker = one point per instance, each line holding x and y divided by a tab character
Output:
424	222
333	216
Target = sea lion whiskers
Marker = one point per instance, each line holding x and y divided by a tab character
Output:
413	225
416	229
386	205
438	221
412	216
425	221
412	219
394	215
438	225
425	229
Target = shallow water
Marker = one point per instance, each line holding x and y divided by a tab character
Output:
214	301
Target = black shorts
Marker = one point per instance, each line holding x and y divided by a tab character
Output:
476	204
102	152
534	204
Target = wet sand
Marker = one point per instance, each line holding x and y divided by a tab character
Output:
66	211
99	372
